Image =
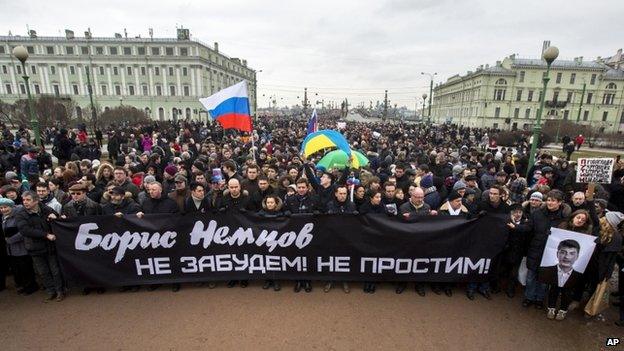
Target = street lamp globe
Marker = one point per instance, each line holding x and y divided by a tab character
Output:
424	96
20	53
550	54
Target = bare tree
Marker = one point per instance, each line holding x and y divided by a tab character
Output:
122	115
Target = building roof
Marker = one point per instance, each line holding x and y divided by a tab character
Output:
616	74
565	64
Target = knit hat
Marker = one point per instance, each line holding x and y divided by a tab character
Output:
459	185
547	169
426	181
614	218
454	196
6	202
10	175
457	169
171	170
470	191
149	179
537	196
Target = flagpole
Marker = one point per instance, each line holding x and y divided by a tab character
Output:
253	143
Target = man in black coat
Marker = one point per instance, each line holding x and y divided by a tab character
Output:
537	229
264	190
233	198
80	204
119	205
33	223
197	201
341	203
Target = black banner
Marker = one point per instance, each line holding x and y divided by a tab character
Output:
111	251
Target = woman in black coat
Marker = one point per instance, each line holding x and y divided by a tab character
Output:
271	208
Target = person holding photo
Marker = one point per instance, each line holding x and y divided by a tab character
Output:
562	278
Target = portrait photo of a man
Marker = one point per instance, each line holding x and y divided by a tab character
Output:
563	273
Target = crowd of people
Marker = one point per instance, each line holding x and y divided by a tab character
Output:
414	170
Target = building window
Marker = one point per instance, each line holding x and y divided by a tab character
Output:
527	113
171	71
115	71
517	112
566	114
127	50
33	69
499	94
161	113
497	112
605	115
608	98
589	97
188	113
103	88
56	89
585	115
142	71
559	75
78	112
572	78
50	50
172	90
113	50
30	49
169	51
130	89
19	69
611	86
72	70
8	89
75	89
5	70
530	97
145	91
622	118
99	50
592	81
141	50
101	70
519	95
183	51
187	90
184	71
129	70
117	90
69	50
159	90
155	51
157	71
569	98
84	50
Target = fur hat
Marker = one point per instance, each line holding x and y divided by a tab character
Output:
614	218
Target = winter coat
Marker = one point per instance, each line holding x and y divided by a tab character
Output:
301	204
14	239
368	207
335	207
160	205
204	206
127	206
228	203
444	210
538	229
277	212
74	209
34	227
408	207
432	197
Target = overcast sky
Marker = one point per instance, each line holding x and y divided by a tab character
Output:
352	49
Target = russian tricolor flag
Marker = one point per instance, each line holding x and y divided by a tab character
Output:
230	107
313	123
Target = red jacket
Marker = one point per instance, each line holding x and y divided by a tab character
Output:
579	140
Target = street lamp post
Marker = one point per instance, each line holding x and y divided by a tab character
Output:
549	56
559	126
430	90
21	54
424	96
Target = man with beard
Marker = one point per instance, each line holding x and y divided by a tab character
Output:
180	192
47	198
